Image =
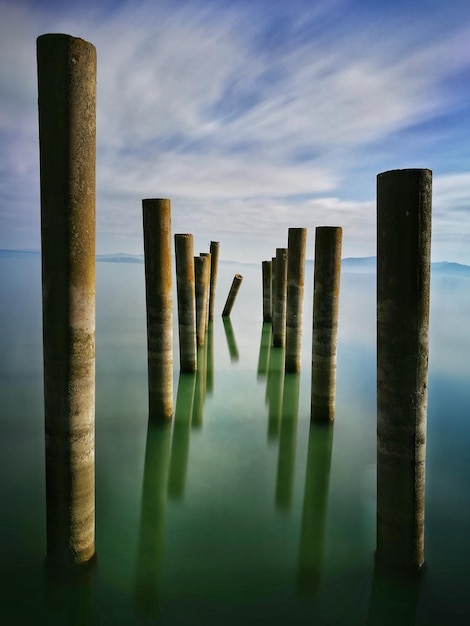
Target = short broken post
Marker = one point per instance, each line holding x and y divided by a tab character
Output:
185	285
325	321
404	203
280	299
237	281
214	251
158	284
67	141
202	265
296	248
267	280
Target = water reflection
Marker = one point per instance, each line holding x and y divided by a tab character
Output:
69	594
201	387
210	357
264	350
231	341
287	441
152	520
315	506
274	391
393	602
181	434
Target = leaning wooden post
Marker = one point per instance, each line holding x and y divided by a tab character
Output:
325	321
296	247
267	280
158	282
237	281
202	266
67	143
185	285
404	201
280	299
214	251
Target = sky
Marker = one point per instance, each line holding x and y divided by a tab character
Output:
252	116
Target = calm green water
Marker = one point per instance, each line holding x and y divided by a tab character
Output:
240	513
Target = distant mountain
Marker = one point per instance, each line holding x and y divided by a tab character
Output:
120	257
359	265
19	254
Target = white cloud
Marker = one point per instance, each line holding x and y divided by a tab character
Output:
245	138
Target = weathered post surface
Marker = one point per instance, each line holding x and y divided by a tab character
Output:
208	288
273	285
296	247
325	321
237	281
280	299
202	266
185	285
158	284
67	142
404	202
214	251
266	267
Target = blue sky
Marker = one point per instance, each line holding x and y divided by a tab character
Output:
251	115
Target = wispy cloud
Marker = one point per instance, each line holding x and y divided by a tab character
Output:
250	121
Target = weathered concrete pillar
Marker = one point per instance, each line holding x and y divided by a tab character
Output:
404	200
214	251
267	280
237	281
67	142
185	285
296	247
158	283
325	321
273	285
208	287
202	266
280	299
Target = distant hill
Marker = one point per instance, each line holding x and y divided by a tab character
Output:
354	265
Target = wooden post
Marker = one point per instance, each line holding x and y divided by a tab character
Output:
202	265
214	251
67	142
237	281
280	299
158	282
185	283
267	280
295	296
404	200
325	321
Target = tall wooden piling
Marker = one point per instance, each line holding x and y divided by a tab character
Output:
158	284
325	321
296	247
280	299
237	281
273	285
207	288
67	141
404	202
266	267
185	285
214	251
202	265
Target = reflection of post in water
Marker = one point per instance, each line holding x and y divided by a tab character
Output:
287	440
200	389
210	358
69	594
264	349
312	535
181	434
274	391
393	601
152	520
230	336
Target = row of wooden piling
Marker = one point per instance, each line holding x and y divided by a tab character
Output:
67	133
